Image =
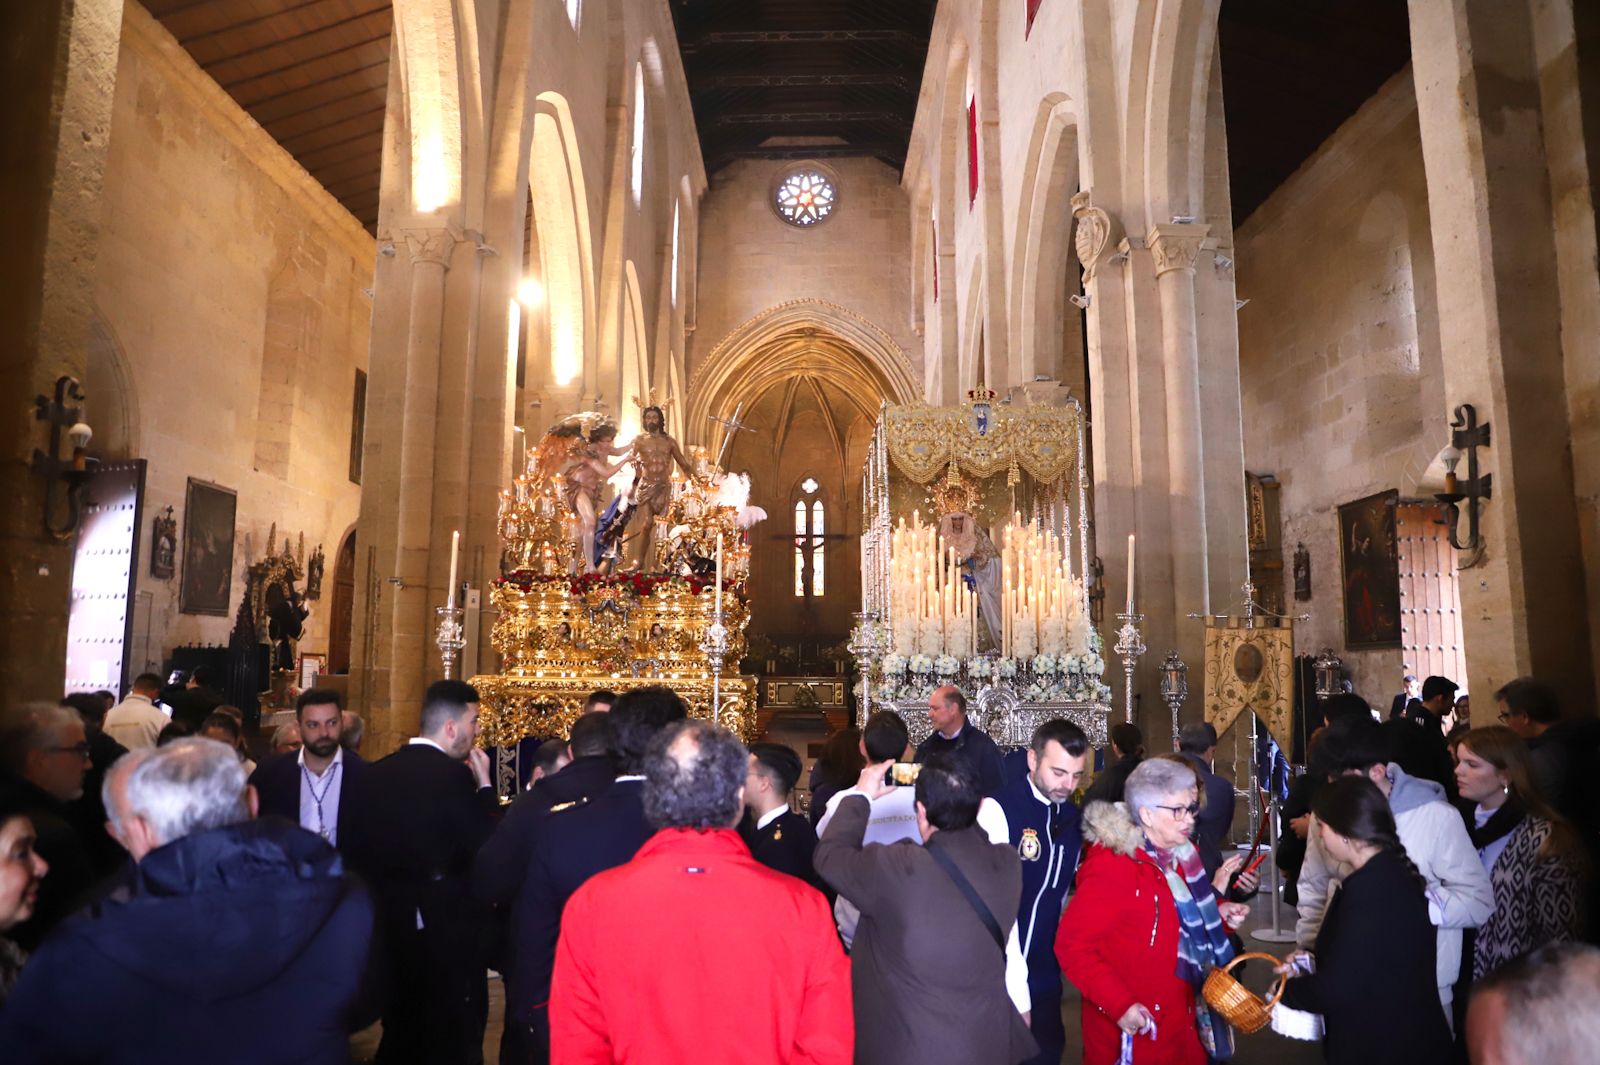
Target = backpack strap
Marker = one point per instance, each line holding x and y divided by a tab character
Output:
973	898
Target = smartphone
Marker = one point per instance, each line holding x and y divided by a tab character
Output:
904	773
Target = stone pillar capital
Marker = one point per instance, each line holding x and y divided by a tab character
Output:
1176	246
432	245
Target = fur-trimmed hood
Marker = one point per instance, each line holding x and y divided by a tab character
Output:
1110	825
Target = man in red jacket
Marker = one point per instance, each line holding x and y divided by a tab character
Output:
694	952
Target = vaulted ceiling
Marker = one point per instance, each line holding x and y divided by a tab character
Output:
313	73
764	71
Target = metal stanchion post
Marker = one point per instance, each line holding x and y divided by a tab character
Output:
1277	933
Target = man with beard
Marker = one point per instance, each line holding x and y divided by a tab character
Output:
315	785
654	452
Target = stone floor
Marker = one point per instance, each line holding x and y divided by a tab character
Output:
1264	1048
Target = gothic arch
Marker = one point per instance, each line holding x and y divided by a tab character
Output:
636	380
111	406
1174	44
561	205
1045	261
794	338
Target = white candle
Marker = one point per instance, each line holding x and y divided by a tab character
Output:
1130	574
719	575
455	549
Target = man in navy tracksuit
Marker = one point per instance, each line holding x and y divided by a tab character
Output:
1044	824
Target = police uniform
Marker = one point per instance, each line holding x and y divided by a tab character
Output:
1048	838
782	840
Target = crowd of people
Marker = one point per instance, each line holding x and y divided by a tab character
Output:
654	895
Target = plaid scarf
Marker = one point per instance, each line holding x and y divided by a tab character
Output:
1203	942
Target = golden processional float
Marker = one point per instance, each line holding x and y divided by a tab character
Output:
975	557
650	590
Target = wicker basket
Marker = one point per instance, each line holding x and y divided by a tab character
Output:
1240	1006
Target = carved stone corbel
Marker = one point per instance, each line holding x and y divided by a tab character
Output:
1095	232
430	245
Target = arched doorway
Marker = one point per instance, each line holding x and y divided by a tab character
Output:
344	602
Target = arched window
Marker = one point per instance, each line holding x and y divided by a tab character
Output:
638	133
810	536
676	206
804	197
574	8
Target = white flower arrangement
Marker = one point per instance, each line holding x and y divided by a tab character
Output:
1044	664
1005	668
947	665
978	668
1071	664
921	664
1093	664
894	664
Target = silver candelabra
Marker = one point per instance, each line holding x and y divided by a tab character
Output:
449	638
864	644
1174	688
1130	645
715	646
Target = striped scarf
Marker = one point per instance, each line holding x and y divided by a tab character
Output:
1203	942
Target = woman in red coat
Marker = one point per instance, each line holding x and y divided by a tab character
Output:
1144	926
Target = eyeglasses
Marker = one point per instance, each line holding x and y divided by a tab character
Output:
1193	810
79	749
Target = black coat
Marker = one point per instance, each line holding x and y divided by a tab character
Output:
503	862
1375	979
277	784
415	830
574	844
973	746
192	706
247	944
1109	784
785	845
62	845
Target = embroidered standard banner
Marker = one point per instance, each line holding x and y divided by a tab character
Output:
923	441
1250	669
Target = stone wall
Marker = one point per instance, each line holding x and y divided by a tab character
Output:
751	260
1339	353
231	323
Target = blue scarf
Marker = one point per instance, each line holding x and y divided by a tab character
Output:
1203	942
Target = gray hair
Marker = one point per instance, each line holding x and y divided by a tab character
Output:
33	728
693	772
288	732
1549	1003
351	729
188	786
119	770
1155	782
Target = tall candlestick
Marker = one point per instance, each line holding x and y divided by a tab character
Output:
719	575
455	549
1130	574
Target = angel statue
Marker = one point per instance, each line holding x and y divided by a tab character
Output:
573	455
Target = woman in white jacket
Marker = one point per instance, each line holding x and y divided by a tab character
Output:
1434	837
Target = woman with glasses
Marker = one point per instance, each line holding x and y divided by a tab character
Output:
21	869
1371	975
1533	858
1145	926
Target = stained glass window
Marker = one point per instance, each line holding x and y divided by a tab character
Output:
809	539
972	150
805	198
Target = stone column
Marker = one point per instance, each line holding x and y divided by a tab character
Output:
410	614
59	84
1523	599
1175	249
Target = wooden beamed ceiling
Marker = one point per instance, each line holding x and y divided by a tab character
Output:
761	71
313	73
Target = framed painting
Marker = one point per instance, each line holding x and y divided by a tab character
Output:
1369	560
208	526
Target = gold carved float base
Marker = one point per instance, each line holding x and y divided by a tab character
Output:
516	707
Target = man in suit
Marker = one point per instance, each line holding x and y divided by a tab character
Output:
1046	831
777	836
1412	692
574	844
417	824
929	954
498	873
314	786
1197	743
954	735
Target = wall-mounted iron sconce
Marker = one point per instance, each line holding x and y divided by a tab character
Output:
75	471
1466	437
